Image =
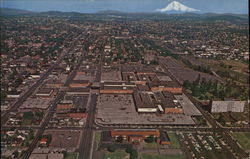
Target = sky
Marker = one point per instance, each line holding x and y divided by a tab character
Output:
92	6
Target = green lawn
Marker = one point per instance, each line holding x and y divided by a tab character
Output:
26	122
174	141
243	139
97	137
118	154
158	156
71	155
152	145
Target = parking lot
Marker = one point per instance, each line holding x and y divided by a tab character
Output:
78	101
120	109
205	146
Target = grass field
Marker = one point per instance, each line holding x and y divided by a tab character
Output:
71	155
153	145
243	139
174	141
235	68
118	154
97	137
158	156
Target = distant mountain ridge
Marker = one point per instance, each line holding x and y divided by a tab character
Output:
10	11
213	16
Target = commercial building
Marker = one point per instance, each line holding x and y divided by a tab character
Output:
170	86
64	105
78	91
144	103
54	84
73	113
227	106
135	135
79	83
152	102
117	88
45	92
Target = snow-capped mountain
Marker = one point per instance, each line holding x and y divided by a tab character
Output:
177	7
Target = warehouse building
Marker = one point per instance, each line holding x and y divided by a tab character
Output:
227	106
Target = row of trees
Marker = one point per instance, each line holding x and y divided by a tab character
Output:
200	68
205	90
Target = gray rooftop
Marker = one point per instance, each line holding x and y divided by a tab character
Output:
227	106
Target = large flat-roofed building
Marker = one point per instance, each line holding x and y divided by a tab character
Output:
45	92
170	86
79	83
117	88
227	106
64	105
133	78
129	77
143	103
78	91
135	135
111	76
54	84
152	102
170	103
73	113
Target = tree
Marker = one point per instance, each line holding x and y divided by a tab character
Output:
149	139
119	139
134	154
196	82
129	149
195	91
111	148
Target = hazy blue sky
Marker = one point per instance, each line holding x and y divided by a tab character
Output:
90	6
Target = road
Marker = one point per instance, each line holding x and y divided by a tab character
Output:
43	126
52	109
85	148
87	134
19	102
215	125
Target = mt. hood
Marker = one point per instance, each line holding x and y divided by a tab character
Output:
176	7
